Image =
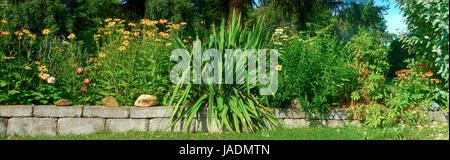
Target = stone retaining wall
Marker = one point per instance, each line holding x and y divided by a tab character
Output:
51	120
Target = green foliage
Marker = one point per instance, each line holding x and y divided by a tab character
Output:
316	71
40	73
428	37
63	17
370	62
353	17
231	107
133	59
397	57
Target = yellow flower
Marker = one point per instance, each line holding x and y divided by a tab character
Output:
120	30
176	26
46	31
185	41
4	21
41	75
102	54
92	59
162	21
158	40
168	44
279	67
96	37
164	35
122	48
5	33
116	19
42	69
125	43
26	31
18	33
108	19
71	36
10	57
136	33
32	35
27	67
126	32
183	23
131	24
111	24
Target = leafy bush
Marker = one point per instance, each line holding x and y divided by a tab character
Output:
132	59
39	69
316	71
369	60
231	107
428	37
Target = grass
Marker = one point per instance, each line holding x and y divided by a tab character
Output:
429	131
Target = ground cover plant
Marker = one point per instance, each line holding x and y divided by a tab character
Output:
332	54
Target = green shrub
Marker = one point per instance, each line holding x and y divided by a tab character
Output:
40	69
370	62
428	34
316	71
133	59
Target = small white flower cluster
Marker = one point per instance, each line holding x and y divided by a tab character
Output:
279	36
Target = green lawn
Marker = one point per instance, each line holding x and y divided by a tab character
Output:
430	131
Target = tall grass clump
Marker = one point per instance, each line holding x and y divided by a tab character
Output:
231	107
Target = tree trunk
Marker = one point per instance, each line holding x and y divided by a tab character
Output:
238	6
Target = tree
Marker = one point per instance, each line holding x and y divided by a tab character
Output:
355	16
428	37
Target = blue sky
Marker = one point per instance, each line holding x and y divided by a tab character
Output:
394	17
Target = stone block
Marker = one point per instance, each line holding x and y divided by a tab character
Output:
339	114
78	126
57	111
335	123
438	116
151	112
105	112
16	111
160	124
123	125
3	123
296	123
202	124
289	113
318	123
31	126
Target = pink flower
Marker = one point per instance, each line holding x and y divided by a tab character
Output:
79	70
83	88
51	80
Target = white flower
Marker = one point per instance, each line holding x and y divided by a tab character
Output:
279	30
51	80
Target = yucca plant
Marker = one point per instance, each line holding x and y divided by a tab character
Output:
231	107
